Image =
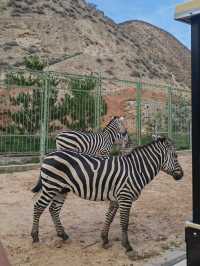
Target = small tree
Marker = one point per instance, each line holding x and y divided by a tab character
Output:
82	104
35	63
76	110
27	119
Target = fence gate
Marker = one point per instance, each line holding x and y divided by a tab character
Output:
150	108
153	100
20	115
163	110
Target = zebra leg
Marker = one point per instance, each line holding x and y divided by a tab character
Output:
124	221
55	209
113	207
39	206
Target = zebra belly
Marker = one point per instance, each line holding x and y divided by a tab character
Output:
108	198
94	192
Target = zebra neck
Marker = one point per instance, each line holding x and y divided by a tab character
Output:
110	133
147	162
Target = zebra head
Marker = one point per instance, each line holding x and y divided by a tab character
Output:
170	163
116	125
122	138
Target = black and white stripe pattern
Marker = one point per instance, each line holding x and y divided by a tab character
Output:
94	143
119	179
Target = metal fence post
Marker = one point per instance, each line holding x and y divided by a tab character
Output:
96	98
190	136
169	112
44	119
98	102
138	111
47	106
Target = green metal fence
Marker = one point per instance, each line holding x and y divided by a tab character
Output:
35	106
152	108
165	110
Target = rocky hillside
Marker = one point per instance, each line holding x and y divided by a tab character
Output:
55	28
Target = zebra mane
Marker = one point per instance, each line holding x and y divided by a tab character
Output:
160	139
109	123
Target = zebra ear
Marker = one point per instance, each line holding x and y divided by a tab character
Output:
156	137
125	133
170	142
121	118
114	117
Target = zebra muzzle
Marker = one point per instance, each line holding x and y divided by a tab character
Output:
178	174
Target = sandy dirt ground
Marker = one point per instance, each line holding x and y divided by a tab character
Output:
156	224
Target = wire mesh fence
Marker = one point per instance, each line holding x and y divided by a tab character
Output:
151	108
35	106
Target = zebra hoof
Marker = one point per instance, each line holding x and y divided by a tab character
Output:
58	243
106	245
131	254
35	237
64	236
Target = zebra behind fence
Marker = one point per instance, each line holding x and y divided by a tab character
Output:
94	143
119	179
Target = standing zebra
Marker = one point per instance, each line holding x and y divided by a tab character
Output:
119	179
94	143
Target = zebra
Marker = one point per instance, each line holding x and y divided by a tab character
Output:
94	143
118	179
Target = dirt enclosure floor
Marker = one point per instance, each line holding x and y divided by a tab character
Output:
156	224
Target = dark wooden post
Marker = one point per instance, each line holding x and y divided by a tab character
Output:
195	22
191	14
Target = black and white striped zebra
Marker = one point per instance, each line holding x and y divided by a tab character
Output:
94	143
118	179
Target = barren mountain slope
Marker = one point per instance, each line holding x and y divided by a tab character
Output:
53	29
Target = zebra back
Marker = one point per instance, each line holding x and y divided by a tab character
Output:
99	143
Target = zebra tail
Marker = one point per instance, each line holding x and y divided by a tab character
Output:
38	186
